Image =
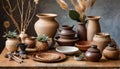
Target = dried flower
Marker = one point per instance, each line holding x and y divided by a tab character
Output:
62	4
36	1
6	24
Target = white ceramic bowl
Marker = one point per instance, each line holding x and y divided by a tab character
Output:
67	49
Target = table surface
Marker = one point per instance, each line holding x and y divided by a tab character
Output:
69	62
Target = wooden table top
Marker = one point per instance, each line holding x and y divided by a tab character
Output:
69	62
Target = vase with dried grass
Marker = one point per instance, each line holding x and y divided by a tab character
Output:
80	6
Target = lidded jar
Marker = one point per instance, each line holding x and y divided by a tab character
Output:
93	54
111	52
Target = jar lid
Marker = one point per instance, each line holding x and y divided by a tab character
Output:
111	46
94	49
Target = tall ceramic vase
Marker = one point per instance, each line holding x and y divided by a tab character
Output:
93	27
46	24
82	31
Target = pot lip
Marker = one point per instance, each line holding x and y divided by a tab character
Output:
103	34
46	15
94	17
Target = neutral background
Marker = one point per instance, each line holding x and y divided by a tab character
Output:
108	9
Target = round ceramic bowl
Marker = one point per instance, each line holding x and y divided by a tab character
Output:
70	50
83	45
66	42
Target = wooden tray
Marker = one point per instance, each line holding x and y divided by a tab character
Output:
40	57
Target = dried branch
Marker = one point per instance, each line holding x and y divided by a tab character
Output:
19	7
92	3
62	4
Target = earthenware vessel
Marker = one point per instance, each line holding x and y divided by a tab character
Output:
66	32
66	42
83	45
111	52
22	46
93	54
42	46
30	41
46	24
81	31
101	40
11	44
93	27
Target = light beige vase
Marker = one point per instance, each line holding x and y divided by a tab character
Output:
93	27
11	44
101	40
46	24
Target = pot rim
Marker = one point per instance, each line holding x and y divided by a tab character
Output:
94	17
46	15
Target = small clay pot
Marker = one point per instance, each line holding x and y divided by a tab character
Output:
111	52
30	41
83	45
42	46
93	54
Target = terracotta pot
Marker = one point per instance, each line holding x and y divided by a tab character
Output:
93	54
83	45
46	24
42	46
82	31
93	27
101	40
11	44
111	52
30	41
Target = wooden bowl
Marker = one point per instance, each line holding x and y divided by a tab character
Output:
83	45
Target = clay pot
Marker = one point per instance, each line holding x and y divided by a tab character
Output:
66	32
93	27
82	31
101	40
30	41
93	54
83	45
111	52
11	44
66	42
46	25
42	46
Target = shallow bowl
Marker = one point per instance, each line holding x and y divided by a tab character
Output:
67	49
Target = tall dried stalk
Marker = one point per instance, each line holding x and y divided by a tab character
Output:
81	6
26	15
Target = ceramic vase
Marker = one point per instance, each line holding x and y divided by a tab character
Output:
101	40
93	27
30	41
11	44
42	46
46	24
82	31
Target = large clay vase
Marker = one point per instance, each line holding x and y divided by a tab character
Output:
46	24
82	31
11	44
101	40
93	27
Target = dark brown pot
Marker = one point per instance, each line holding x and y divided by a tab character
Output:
93	54
111	52
82	32
30	41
